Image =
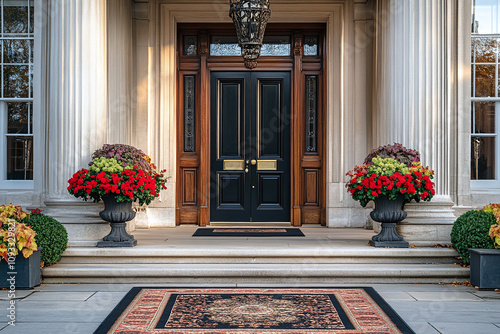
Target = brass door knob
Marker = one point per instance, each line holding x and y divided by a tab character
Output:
253	162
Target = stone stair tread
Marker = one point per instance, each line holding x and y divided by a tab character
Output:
261	251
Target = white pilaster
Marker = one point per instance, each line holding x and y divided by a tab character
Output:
416	101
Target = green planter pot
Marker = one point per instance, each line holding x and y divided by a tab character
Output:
485	268
25	273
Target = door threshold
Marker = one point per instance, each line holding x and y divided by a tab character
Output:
250	224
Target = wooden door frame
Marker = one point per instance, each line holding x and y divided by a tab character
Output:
308	196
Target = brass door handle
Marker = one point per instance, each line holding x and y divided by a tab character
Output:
253	162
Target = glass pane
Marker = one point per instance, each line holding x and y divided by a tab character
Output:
32	17
483	158
15	17
310	45
485	50
17	118
19	158
311	113
485	80
31	81
190	46
485	17
189	113
228	46
32	50
16	81
276	46
30	107
484	120
16	51
224	46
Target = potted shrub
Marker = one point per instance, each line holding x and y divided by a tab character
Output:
390	183
476	236
51	236
118	175
21	268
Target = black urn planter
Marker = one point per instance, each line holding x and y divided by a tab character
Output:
388	212
24	273
117	214
485	268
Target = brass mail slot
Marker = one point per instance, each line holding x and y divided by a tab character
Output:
267	165
234	164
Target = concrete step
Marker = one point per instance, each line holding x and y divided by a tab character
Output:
254	273
258	255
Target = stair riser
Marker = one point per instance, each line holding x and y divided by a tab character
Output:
255	280
242	260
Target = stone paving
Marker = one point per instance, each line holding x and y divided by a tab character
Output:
80	308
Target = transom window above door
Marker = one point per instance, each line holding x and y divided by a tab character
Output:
228	46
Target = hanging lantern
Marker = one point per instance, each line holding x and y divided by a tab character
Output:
250	19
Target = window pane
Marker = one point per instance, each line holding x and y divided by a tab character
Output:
485	81
19	158
276	46
32	18
16	51
17	114
310	45
15	81
190	45
483	158
15	17
485	16
224	46
484	120
485	50
228	46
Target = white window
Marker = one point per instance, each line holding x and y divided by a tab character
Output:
485	148
16	93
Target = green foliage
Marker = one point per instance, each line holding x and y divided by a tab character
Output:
107	165
471	230
394	151
51	236
387	166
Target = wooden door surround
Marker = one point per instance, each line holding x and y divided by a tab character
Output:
307	127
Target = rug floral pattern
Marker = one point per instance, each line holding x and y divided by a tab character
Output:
253	310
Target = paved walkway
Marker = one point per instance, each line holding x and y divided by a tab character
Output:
80	308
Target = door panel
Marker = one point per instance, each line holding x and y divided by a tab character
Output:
250	159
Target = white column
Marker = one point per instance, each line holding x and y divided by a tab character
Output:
119	28
416	101
74	98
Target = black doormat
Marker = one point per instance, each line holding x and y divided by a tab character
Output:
248	232
322	310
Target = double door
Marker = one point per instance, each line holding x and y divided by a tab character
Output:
250	147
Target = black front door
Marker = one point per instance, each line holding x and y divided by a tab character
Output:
250	147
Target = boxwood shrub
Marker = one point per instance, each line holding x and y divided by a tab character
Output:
470	230
50	235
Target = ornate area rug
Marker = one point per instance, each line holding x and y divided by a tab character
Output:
248	232
253	310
